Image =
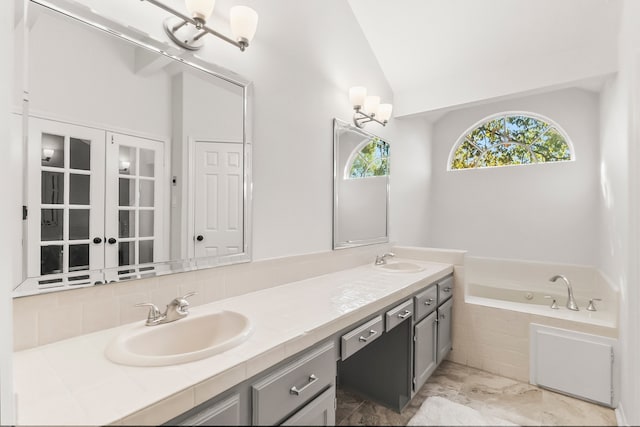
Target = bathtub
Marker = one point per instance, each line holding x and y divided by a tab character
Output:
534	302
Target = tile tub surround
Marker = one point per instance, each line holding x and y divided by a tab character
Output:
496	340
70	382
514	401
587	282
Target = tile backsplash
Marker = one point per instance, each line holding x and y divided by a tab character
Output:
45	318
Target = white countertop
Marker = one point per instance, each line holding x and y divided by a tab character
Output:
71	382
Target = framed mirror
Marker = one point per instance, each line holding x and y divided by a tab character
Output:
137	162
360	187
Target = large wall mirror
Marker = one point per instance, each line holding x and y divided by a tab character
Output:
136	162
361	187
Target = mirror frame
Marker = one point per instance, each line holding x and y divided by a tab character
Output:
338	126
79	12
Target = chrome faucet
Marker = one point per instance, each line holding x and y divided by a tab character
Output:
571	302
382	259
176	309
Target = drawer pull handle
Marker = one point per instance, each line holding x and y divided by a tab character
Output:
404	315
429	301
371	333
294	389
447	289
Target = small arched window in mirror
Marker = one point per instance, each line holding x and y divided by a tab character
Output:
512	138
371	158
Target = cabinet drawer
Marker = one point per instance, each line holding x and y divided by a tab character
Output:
291	387
320	411
398	315
361	336
426	301
445	289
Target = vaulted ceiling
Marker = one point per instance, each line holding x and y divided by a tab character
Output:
439	54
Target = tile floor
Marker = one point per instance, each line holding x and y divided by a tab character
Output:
511	400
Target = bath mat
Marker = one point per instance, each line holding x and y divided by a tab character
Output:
438	411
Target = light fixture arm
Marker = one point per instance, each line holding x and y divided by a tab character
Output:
360	118
199	24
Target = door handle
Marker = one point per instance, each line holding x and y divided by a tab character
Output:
199	237
97	240
112	241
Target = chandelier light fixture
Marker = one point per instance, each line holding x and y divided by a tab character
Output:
368	108
187	30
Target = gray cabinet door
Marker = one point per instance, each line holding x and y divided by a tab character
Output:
321	411
444	330
425	349
224	413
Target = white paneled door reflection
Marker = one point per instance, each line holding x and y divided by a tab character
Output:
218	198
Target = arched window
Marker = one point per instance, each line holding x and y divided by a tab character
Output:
369	159
512	138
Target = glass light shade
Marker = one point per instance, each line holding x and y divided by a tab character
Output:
200	8
371	104
47	153
384	112
244	22
357	94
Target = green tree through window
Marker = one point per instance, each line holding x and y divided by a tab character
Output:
510	139
372	160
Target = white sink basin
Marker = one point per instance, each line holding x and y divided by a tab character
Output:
400	267
185	340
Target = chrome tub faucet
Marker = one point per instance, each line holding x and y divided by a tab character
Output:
571	302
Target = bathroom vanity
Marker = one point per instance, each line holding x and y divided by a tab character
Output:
308	336
386	357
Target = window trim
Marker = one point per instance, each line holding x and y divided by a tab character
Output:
537	116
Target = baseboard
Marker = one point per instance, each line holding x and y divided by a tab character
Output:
621	419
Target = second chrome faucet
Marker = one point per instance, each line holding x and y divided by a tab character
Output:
571	302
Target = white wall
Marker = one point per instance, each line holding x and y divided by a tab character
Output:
410	181
79	74
620	184
545	212
9	218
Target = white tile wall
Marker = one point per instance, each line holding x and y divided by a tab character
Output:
497	340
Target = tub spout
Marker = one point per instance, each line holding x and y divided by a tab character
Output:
571	302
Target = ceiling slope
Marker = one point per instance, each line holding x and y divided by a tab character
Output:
439	54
